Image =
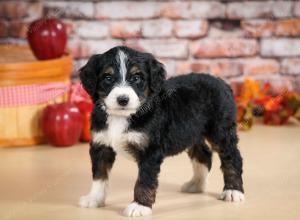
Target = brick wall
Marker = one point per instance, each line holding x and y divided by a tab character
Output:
232	39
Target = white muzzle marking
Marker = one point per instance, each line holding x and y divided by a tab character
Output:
112	106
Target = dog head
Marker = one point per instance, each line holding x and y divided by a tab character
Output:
122	79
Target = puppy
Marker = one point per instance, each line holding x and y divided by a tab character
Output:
141	115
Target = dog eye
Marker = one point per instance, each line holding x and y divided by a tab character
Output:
108	79
136	78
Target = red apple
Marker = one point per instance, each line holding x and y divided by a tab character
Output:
47	38
86	131
62	124
85	108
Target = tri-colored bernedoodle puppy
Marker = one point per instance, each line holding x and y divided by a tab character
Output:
142	115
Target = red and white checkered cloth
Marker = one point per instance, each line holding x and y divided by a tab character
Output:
25	95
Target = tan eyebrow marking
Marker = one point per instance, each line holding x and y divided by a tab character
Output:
109	70
134	70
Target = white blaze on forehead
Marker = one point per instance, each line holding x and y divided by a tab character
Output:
122	58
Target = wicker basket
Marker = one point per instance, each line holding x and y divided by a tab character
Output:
19	125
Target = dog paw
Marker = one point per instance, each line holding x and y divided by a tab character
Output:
194	186
91	201
134	210
230	195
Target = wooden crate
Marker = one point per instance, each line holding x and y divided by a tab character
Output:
20	125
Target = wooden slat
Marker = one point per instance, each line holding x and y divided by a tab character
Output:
22	142
28	121
8	123
32	72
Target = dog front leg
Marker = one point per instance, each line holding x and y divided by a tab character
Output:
102	158
145	186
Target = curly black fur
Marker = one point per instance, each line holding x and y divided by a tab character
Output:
177	114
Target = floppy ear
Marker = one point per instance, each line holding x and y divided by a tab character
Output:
88	75
157	75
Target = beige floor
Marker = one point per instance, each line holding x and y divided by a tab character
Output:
45	182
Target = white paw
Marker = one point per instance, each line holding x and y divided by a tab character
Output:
232	196
91	201
134	210
194	186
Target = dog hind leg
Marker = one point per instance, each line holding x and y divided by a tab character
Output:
201	158
225	143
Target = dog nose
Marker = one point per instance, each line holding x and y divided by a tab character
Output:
123	100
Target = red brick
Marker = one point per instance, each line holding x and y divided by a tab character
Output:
290	66
259	9
127	29
3	29
157	28
296	9
282	8
222	68
191	29
127	10
176	49
193	9
226	68
169	67
26	10
34	11
70	26
211	48
288	27
280	47
200	67
18	29
134	44
249	9
193	66
89	47
92	29
74	47
260	67
14	9
257	28
175	9
69	9
183	67
207	9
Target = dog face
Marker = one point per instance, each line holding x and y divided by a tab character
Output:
122	79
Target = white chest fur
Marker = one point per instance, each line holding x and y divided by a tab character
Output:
117	136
